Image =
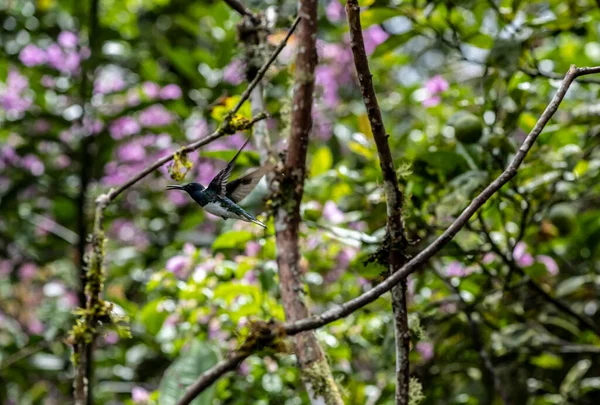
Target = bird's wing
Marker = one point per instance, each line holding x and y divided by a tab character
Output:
219	183
238	189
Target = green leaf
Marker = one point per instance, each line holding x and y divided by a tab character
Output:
572	284
152	317
233	240
377	15
574	376
547	361
393	42
184	371
322	161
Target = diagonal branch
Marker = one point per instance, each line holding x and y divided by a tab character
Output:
316	321
394	200
219	132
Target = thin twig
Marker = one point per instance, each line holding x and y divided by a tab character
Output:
242	10
417	262
211	375
114	193
393	196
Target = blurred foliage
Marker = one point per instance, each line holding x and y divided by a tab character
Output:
164	74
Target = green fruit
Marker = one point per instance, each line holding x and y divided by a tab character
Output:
468	128
563	217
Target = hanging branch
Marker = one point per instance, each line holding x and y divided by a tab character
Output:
288	190
394	200
292	328
98	311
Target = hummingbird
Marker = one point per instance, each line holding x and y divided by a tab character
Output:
221	196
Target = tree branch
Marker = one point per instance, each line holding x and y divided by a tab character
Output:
288	190
316	321
222	128
242	10
394	200
97	310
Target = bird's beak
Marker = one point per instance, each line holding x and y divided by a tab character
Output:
174	187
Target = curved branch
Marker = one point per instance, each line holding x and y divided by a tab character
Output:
343	310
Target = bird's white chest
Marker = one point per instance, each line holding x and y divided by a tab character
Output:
218	210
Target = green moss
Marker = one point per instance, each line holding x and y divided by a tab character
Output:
318	377
415	392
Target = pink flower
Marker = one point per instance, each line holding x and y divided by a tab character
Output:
250	277
373	37
489	258
334	11
234	72
33	164
140	396
151	89
437	84
550	264
244	368
252	248
332	213
123	127
131	152
31	55
68	39
179	265
520	255
48	81
111	337
426	350
170	92
455	269
431	101
433	87
155	116
35	326
13	99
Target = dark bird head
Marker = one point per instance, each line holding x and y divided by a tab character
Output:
189	188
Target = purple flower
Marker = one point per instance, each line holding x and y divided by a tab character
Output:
433	87
155	116
131	152
111	337
133	97
27	271
170	92
33	164
326	78
5	267
151	89
55	56
109	81
455	269
41	126
196	129
13	99
178	265
252	248
31	55
343	260
437	84
374	36
332	213
334	11
522	258
244	368
35	326
123	127
139	396
48	81
426	350
549	262
234	72
250	277
489	258
68	39
431	101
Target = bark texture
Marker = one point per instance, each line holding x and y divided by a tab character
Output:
394	200
316	373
